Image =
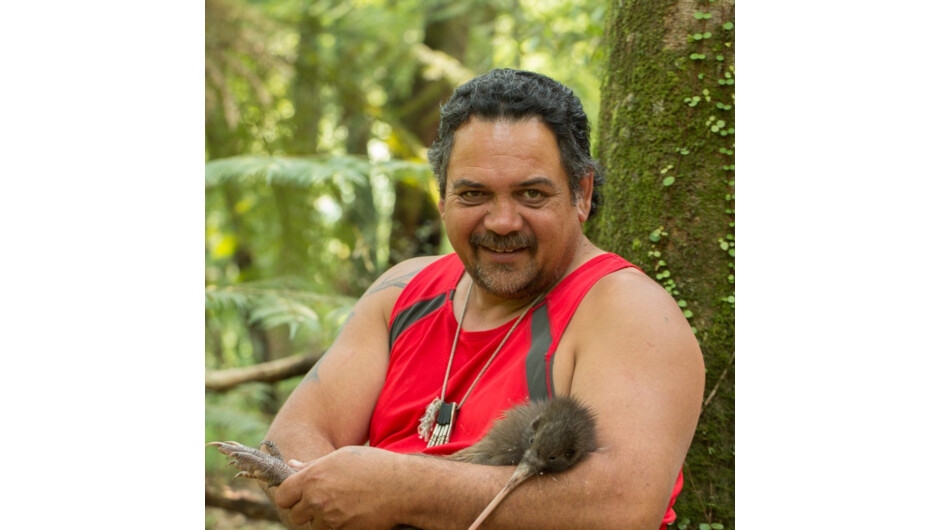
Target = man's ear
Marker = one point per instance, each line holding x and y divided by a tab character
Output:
440	206
586	185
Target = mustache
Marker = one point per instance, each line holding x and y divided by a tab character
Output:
495	241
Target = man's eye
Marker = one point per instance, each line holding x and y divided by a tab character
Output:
470	194
533	195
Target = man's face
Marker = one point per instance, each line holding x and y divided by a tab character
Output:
507	207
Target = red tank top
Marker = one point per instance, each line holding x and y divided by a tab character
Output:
421	333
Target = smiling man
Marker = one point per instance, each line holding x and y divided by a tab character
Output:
526	308
508	210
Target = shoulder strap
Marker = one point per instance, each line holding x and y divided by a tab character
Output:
427	292
550	319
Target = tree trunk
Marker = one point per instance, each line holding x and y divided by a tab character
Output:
306	86
666	137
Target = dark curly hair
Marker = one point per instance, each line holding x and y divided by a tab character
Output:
517	95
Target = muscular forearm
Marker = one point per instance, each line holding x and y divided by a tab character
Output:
374	488
445	494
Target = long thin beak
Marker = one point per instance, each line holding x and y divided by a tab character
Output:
522	472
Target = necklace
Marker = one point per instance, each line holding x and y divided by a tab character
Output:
443	415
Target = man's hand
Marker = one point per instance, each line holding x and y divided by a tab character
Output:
352	486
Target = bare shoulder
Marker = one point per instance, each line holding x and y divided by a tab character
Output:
630	308
383	293
398	276
628	324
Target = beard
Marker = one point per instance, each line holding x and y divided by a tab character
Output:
509	280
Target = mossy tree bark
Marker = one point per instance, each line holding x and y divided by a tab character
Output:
666	137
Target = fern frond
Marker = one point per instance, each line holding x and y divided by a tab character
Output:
287	313
271	306
244	295
287	171
306	171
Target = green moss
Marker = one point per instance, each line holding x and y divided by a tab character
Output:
647	130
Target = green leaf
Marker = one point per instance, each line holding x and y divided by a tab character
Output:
728	25
688	313
668	181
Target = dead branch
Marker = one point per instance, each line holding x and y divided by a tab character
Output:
247	503
718	383
269	372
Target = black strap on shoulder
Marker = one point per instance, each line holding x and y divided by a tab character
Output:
540	383
413	313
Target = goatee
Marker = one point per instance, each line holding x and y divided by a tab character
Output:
507	280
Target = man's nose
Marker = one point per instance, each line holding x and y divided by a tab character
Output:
503	217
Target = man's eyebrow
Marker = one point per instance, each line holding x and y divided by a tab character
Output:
466	183
537	181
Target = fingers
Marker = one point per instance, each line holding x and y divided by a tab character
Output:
300	511
289	493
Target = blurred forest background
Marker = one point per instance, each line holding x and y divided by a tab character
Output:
318	115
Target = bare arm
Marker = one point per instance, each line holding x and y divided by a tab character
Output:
332	406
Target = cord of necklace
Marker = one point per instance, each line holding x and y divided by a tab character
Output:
453	347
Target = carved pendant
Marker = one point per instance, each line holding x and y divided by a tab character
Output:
444	425
428	420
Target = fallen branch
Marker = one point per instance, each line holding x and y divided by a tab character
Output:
247	503
718	383
269	372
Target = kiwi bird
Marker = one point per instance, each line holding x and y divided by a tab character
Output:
543	436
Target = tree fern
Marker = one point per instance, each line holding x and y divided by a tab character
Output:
271	306
308	171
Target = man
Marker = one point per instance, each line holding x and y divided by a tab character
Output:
537	310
